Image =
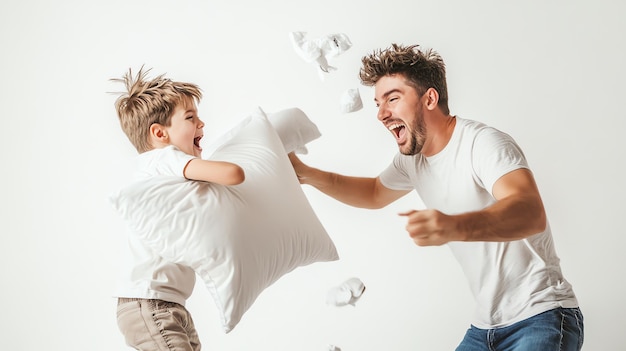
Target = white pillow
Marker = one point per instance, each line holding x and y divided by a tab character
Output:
238	239
294	128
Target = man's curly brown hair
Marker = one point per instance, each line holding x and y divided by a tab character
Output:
421	69
149	101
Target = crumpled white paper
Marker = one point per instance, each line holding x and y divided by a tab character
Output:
348	293
333	348
319	51
351	101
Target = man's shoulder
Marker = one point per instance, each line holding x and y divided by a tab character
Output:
478	129
471	124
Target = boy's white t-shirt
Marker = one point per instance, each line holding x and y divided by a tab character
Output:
511	281
143	273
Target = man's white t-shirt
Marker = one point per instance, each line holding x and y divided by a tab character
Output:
143	273
511	281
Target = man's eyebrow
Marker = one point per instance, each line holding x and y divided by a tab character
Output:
387	93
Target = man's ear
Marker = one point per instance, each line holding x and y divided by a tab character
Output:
158	133
432	98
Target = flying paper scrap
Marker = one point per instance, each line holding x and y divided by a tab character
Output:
319	51
351	101
348	293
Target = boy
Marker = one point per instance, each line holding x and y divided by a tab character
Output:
160	119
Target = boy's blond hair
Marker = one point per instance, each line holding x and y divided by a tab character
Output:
146	102
421	69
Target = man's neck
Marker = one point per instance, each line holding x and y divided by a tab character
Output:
439	129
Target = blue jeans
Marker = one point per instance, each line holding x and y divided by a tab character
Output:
560	329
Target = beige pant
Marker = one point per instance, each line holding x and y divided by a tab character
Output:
156	325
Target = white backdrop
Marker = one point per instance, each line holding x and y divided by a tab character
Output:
550	73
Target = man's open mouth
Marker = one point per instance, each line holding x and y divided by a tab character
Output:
397	129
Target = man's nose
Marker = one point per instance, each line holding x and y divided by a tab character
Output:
383	113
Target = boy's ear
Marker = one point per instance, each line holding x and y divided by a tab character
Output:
158	133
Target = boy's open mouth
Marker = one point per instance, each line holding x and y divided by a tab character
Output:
196	142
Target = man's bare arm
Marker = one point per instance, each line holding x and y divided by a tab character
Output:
360	192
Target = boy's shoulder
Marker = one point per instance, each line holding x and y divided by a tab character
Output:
168	161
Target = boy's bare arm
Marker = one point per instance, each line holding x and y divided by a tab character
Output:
219	172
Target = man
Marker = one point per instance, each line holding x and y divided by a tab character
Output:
482	202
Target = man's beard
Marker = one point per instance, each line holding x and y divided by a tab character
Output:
417	137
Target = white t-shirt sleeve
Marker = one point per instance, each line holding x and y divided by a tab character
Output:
168	161
396	176
495	154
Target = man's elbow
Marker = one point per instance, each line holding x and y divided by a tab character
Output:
537	219
379	201
541	222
